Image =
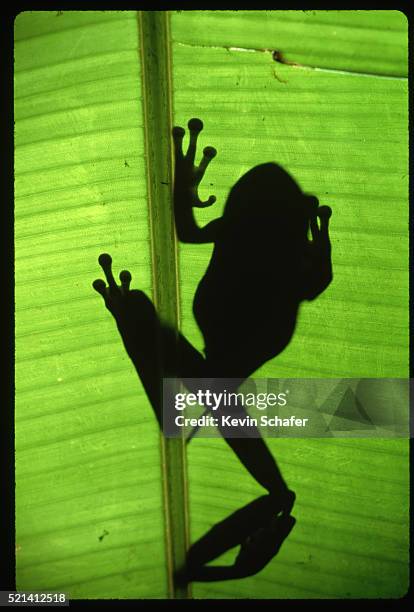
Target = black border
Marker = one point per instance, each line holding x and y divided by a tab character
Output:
7	523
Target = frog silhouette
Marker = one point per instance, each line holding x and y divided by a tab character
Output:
271	252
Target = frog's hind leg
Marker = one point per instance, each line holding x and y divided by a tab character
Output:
254	528
155	349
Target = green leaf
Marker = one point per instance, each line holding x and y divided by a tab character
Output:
373	42
157	106
100	497
87	446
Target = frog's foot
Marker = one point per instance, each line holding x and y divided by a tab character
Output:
263	544
115	296
186	171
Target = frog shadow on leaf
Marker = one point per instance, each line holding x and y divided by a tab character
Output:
271	252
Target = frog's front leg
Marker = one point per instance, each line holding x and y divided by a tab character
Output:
187	178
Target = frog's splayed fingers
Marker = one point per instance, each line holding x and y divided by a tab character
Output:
187	175
114	294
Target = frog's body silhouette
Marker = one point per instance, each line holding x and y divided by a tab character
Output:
262	267
246	304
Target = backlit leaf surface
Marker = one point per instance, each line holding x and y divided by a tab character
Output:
90	519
